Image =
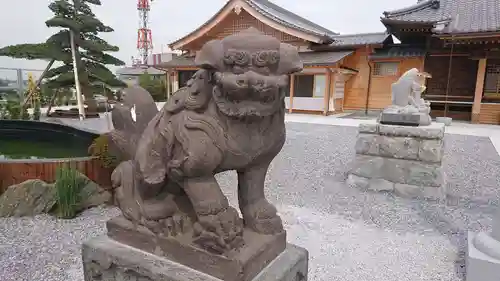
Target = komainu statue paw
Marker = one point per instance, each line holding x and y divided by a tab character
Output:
262	217
219	233
176	225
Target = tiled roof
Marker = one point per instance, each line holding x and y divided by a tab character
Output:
178	61
308	58
397	52
349	40
277	14
287	18
460	16
322	58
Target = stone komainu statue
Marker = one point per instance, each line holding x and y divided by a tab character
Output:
407	99
230	116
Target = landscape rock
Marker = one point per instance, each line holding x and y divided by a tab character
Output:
93	195
29	198
34	197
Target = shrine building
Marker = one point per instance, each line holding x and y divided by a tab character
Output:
456	41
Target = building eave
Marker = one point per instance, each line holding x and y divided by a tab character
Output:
235	6
413	8
467	35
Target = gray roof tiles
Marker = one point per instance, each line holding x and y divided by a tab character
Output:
460	16
308	58
287	18
398	52
359	39
178	61
322	58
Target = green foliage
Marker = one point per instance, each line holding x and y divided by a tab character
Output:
154	85
43	51
24	113
92	57
69	184
100	149
37	113
11	108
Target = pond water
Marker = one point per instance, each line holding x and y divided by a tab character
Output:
26	149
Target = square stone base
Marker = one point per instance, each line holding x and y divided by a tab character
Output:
480	266
105	259
400	119
241	265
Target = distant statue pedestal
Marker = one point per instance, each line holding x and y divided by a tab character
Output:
483	254
403	151
402	159
405	116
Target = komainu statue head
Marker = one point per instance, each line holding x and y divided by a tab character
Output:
250	72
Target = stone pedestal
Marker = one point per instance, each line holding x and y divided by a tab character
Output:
105	259
483	254
403	159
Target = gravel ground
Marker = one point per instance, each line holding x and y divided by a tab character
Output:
350	234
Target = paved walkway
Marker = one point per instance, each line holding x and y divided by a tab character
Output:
457	128
492	131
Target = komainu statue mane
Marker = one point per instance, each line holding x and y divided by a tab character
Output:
230	116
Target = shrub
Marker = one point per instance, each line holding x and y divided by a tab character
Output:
100	149
69	184
36	111
24	113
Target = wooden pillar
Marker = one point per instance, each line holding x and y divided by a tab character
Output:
292	90
326	100
168	84
333	84
478	95
175	81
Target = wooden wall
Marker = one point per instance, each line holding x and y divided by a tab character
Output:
235	23
17	172
355	88
489	114
462	79
380	89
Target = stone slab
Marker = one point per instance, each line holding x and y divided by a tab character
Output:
105	259
432	131
480	266
403	190
368	128
241	265
400	119
398	170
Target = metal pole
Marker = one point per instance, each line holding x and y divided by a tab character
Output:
81	109
20	83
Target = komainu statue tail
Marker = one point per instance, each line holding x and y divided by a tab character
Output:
130	119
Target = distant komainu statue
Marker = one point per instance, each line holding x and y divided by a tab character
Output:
407	100
230	116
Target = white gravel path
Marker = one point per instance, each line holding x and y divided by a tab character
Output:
351	235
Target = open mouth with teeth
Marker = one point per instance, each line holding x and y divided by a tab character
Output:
249	94
248	102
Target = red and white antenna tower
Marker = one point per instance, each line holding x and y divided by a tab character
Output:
144	38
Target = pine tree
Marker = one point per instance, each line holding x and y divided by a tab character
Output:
92	57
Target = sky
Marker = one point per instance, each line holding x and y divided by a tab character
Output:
22	21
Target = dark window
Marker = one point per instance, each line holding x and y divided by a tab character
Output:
492	81
303	86
184	76
287	88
